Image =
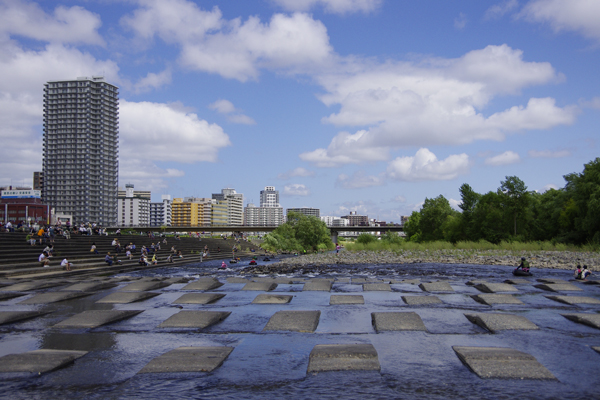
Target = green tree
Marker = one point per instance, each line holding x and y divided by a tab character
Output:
584	189
411	227
433	215
470	198
487	218
300	232
514	197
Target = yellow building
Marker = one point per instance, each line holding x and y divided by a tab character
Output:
220	213
191	211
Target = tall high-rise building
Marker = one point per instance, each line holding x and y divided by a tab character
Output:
134	207
235	205
270	213
269	197
81	149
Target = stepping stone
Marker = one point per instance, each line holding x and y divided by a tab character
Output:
89	287
360	281
194	319
596	348
260	286
272	299
549	280
440	286
199	298
8	317
237	280
343	357
95	318
39	361
296	321
203	284
409	281
336	299
501	322
28	286
502	363
592	320
10	295
495	287
397	321
558	287
321	285
127	297
53	297
189	359
377	287
517	281
176	280
143	286
421	300
491	299
475	282
342	280
574	300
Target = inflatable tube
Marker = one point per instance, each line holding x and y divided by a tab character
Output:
518	272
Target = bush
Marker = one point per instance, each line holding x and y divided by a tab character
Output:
365	238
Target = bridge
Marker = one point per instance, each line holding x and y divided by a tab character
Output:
335	230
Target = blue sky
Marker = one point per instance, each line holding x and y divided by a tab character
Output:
343	105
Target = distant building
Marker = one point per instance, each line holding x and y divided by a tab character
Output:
262	216
404	219
38	180
192	211
356	220
334	221
235	205
161	213
134	208
269	197
22	205
311	212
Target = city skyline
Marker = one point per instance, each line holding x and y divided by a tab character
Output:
345	105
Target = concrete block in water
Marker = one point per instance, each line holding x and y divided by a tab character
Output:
596	348
38	361
272	299
495	287
407	281
575	300
592	320
558	287
296	321
127	297
377	287
518	281
337	299
421	300
320	285
95	318
89	287
439	286
501	363
343	357
199	298
260	286
28	286
8	317
203	284
397	321
53	297
501	322
360	281
143	286
491	299
475	282
189	359
10	295
194	319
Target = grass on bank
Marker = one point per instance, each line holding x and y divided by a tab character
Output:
381	245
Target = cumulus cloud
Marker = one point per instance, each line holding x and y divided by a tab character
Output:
296	172
296	189
232	48
65	25
399	199
460	22
455	204
549	153
358	180
579	16
234	115
433	102
153	81
331	6
506	158
548	187
145	174
500	9
425	166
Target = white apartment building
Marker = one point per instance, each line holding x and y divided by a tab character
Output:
134	209
235	205
160	213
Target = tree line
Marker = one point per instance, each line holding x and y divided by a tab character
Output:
512	213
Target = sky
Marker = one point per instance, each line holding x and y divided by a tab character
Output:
342	105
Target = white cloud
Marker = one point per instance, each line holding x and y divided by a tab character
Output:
433	102
425	166
233	114
500	9
66	25
455	204
153	81
506	158
145	174
580	16
460	22
301	172
359	180
233	49
548	187
296	189
331	6
399	199
549	153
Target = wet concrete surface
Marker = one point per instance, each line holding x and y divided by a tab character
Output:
274	364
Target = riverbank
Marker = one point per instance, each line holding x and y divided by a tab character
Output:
537	259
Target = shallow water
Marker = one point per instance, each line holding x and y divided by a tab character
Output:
273	364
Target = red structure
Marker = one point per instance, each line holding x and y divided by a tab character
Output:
23	205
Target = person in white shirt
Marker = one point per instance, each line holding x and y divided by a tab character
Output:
66	265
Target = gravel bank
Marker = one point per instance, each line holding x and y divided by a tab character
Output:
537	259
